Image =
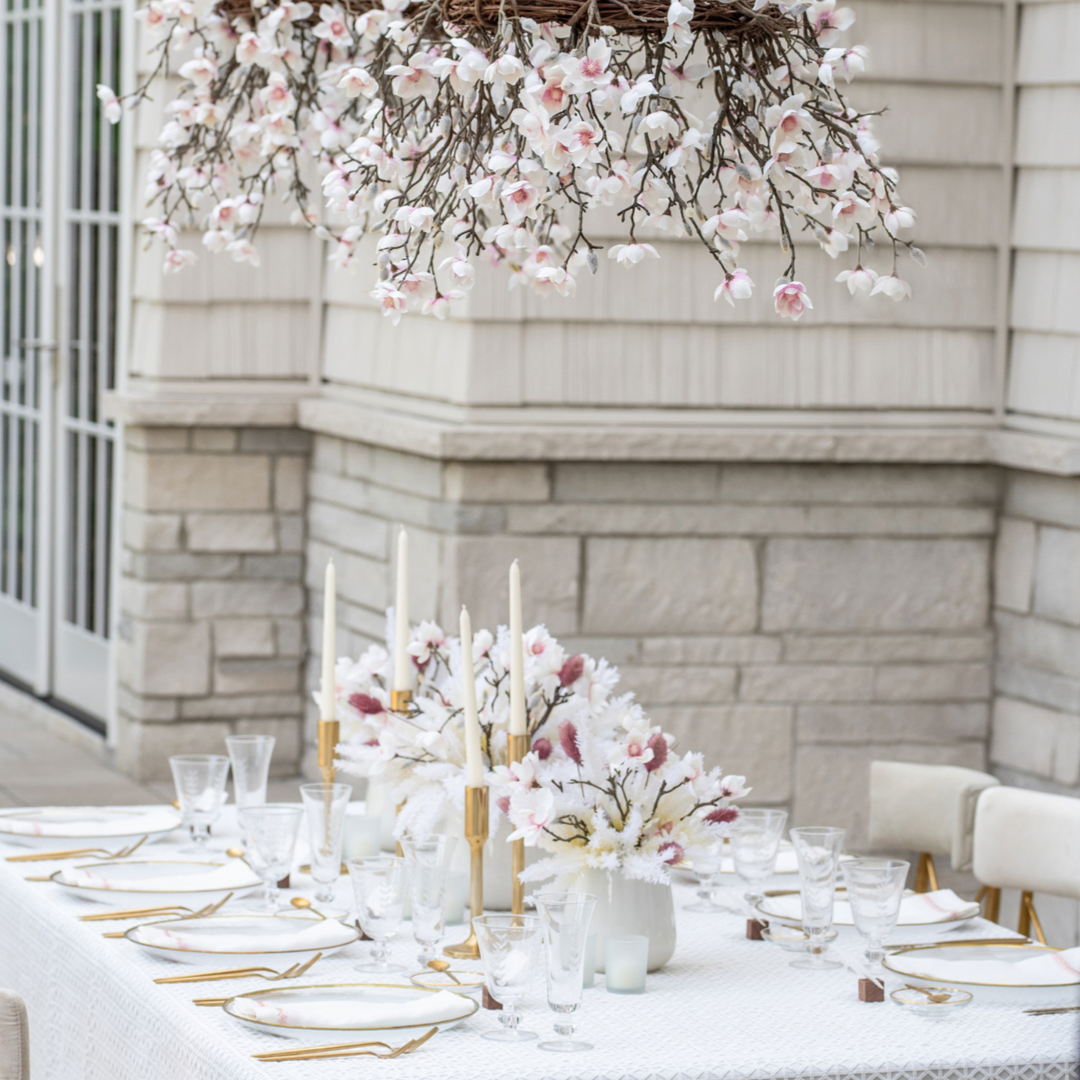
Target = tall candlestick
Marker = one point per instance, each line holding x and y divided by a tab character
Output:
401	615
518	724
328	723
474	763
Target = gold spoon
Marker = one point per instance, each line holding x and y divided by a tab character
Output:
235	852
302	903
934	999
441	966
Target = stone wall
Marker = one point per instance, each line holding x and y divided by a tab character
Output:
793	622
211	636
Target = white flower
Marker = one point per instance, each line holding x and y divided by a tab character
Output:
357	81
859	280
531	812
107	96
892	287
736	286
631	254
177	259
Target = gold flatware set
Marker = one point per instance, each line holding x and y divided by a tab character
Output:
335	1050
165	909
72	853
242	973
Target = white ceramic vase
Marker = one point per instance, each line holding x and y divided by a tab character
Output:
380	800
626	906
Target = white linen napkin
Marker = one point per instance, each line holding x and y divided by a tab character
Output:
429	1009
311	934
918	910
1047	969
234	874
92	825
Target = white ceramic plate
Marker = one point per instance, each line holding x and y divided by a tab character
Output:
214	940
352	992
908	963
787	909
111	827
136	883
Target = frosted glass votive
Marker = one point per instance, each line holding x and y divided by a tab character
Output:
626	960
362	837
588	969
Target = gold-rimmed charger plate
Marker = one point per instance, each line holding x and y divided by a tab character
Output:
110	826
125	877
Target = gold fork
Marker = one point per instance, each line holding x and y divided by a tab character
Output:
71	853
317	1053
138	913
241	973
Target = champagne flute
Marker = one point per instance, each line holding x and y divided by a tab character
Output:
817	849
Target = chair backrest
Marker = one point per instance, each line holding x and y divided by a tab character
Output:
925	807
14	1038
1028	840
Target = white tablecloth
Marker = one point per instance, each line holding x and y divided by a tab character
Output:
723	1009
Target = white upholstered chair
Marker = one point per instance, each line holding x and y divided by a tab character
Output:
1026	840
929	809
14	1038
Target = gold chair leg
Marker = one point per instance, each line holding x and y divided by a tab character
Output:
992	906
1029	918
926	874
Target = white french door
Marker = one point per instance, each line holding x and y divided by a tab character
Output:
61	222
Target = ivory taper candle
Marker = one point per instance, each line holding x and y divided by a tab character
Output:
401	615
517	655
328	704
474	762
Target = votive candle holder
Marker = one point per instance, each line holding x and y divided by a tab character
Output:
626	961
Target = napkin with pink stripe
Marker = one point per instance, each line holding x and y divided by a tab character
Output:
428	1009
1047	969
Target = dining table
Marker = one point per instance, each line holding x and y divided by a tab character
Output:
723	1008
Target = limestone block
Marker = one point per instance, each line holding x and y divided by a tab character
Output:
806	682
832	782
215	599
290	532
230	532
245	705
1057	575
932	682
289	635
328	455
287	732
875	584
885	648
669	586
359	459
359	579
140	707
156	438
703	685
181	566
348	529
339	490
406	472
1020	681
152	532
633	483
754	741
256	676
1043	742
862	724
1014	564
218	439
275	441
477	574
197	481
279	567
143	749
495	481
166	658
1036	643
243	637
710	650
289	483
616	650
458	518
1051	499
153	600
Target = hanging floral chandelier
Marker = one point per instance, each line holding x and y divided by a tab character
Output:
509	130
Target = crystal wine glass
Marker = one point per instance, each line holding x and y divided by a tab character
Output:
755	843
566	917
325	806
271	831
379	885
428	861
509	949
875	888
818	852
200	790
707	863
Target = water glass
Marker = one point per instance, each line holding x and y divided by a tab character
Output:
380	887
200	790
875	888
271	831
566	917
707	863
250	756
509	951
817	849
755	843
428	862
325	806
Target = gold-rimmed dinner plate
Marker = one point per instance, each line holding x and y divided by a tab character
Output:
910	964
218	940
42	827
153	882
317	997
785	906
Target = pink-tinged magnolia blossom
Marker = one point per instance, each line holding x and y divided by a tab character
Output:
631	254
671	853
859	280
555	278
518	200
572	670
568	741
790	300
659	747
107	96
177	259
542	749
392	302
503	803
733	787
736	286
892	287
357	81
531	812
333	27
366	704
899	217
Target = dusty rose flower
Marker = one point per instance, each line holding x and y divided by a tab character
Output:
568	741
572	670
542	749
659	747
671	852
724	815
366	704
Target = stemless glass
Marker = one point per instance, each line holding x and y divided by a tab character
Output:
566	917
271	831
250	756
379	885
325	806
755	843
707	863
817	849
428	862
200	790
875	888
509	950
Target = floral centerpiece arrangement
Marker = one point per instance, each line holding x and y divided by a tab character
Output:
521	132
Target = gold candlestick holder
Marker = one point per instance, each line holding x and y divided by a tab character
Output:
518	748
329	737
400	700
476	832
